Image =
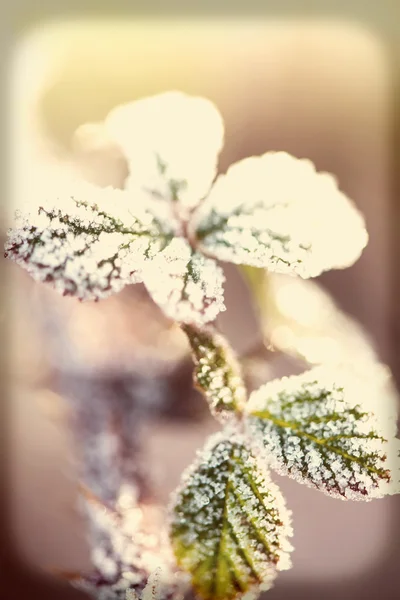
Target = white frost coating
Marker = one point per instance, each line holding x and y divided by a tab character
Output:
90	242
59	190
269	211
217	373
187	285
216	514
87	242
275	211
310	427
171	141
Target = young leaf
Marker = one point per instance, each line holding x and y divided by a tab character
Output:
275	211
171	142
186	284
88	245
311	428
229	522
217	373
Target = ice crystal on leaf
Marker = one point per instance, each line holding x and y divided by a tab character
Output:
270	211
186	284
230	526
275	211
312	427
171	142
217	373
88	244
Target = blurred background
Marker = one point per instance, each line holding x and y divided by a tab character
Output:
317	88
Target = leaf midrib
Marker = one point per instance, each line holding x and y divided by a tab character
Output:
266	415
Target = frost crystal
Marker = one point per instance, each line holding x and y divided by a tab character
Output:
186	284
269	211
217	373
171	142
275	211
229	524
312	428
89	244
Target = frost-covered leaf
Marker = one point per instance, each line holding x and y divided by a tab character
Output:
275	211
217	372
300	318
312	427
186	284
87	244
171	142
229	525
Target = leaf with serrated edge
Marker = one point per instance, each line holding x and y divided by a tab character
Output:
230	526
187	285
311	428
87	242
217	373
275	211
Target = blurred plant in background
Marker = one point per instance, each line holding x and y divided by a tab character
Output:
276	217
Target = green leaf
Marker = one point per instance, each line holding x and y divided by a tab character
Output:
229	525
87	244
217	373
311	428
